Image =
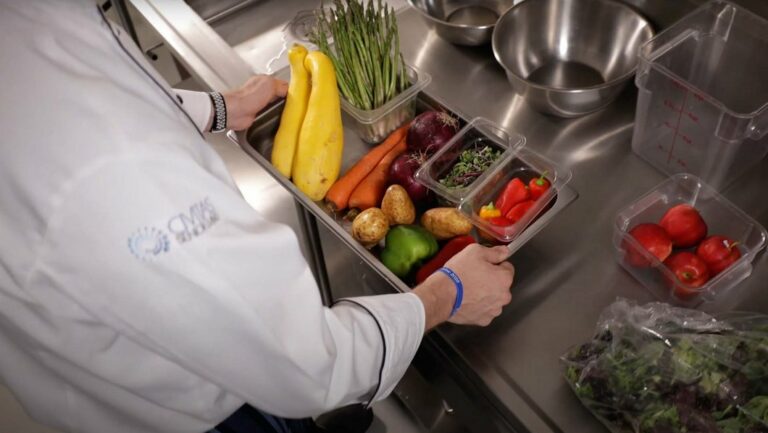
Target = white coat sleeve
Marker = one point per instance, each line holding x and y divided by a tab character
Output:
172	257
199	107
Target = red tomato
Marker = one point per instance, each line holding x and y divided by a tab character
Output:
690	270
538	186
519	210
718	252
514	192
684	226
653	238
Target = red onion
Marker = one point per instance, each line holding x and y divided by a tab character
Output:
430	131
402	173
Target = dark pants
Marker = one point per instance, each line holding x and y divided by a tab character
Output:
250	420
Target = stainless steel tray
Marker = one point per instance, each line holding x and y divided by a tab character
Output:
257	142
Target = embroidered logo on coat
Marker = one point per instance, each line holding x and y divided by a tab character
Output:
148	242
188	225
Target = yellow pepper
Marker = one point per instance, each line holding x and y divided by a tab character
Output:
489	211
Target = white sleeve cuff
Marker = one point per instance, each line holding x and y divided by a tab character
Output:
401	320
198	106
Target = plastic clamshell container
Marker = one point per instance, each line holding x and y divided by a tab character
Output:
478	132
526	165
722	218
702	104
373	126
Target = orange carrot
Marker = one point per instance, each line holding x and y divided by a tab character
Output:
371	190
338	195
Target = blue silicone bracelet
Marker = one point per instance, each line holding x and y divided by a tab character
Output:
459	288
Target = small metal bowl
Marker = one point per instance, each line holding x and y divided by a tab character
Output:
570	57
463	22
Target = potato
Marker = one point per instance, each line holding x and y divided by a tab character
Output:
370	226
397	206
446	222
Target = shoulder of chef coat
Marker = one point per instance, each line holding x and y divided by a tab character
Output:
170	255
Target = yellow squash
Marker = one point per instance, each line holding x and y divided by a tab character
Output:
287	137
317	162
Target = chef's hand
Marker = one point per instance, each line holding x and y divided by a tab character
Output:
487	280
245	103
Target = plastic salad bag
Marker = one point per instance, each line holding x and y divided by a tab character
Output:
655	368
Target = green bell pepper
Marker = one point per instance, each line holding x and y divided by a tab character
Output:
406	247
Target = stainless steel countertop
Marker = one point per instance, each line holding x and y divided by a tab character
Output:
567	274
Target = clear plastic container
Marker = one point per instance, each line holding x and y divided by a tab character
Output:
373	126
721	217
526	165
702	106
478	132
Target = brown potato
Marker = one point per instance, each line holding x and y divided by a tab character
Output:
370	226
397	206
446	222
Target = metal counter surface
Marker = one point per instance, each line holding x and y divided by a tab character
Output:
567	274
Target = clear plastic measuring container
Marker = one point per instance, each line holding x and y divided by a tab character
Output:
703	94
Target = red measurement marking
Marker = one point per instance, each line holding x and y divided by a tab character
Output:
687	139
697	96
668	124
693	117
682	163
679	85
671	105
677	127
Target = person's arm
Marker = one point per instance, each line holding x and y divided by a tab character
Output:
174	259
241	105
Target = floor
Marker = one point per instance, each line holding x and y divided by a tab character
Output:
266	196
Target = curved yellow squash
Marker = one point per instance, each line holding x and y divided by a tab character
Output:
317	162
287	137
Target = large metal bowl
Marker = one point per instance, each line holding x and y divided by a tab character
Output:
569	57
463	22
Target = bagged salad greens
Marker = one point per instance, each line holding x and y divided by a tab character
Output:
660	369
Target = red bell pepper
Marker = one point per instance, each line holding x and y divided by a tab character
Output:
500	221
538	186
453	247
514	192
518	211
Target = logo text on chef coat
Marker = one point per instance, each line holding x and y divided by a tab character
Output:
148	242
190	224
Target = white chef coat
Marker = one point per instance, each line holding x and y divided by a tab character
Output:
138	290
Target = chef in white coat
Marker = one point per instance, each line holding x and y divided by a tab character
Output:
139	292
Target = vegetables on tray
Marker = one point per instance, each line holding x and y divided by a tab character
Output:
363	42
287	137
718	252
430	131
317	161
397	206
688	269
402	173
371	190
653	238
659	369
684	226
446	222
370	226
450	249
338	195
406	246
472	163
514	192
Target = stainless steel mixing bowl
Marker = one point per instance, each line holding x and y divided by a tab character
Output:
463	22
569	57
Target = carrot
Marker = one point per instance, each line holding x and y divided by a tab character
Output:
371	190
338	195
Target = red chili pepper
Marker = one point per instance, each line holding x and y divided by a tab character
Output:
519	210
453	247
514	192
538	186
500	221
